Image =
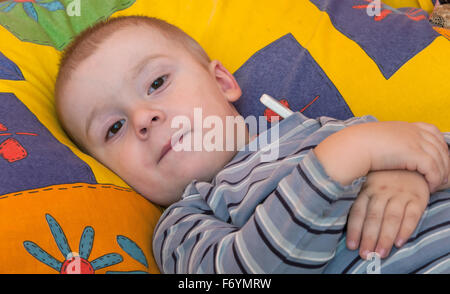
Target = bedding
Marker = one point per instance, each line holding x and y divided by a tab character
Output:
426	5
64	212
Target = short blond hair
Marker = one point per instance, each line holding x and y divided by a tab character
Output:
86	43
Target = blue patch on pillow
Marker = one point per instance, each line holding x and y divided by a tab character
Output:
30	157
9	70
286	71
390	39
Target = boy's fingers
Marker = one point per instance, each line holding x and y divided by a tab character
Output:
432	151
356	221
372	225
392	220
441	148
438	140
437	134
427	166
413	213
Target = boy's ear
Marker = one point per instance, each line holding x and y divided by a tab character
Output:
226	81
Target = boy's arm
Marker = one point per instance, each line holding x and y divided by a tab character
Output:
289	222
296	228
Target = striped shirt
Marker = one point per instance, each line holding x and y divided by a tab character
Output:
286	215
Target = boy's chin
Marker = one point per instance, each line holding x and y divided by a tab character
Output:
163	199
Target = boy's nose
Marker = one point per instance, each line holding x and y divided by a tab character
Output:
145	119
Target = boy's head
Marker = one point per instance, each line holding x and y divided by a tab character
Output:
121	84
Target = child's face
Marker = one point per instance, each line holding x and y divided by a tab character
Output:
120	102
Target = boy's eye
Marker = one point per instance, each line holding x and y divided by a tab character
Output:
114	129
157	84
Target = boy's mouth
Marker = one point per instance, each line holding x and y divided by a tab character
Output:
164	151
166	148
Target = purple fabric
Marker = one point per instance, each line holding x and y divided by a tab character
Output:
285	70
30	157
391	40
9	70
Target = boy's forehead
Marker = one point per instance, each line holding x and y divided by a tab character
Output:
125	52
137	37
128	49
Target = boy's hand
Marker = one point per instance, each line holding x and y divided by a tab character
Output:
358	149
386	211
425	151
443	186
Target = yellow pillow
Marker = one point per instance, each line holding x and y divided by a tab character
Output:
391	66
47	185
426	5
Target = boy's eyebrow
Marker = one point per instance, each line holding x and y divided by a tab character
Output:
137	69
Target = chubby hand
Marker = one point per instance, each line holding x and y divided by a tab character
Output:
356	150
410	146
387	211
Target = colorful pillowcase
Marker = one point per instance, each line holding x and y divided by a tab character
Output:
323	75
63	212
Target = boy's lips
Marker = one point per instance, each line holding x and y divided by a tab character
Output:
168	147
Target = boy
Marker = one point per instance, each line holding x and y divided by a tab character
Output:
123	82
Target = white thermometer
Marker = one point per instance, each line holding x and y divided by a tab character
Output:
275	106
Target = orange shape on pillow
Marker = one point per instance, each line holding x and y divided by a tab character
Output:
47	230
